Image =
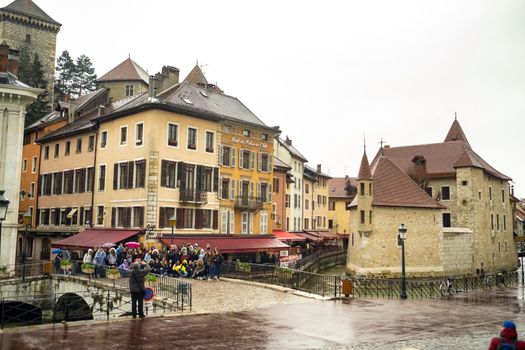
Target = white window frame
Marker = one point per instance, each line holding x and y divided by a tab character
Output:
103	216
33	165
214	145
97	175
196	138
120	135
143	133
32	189
263	222
129	88
245	217
168	134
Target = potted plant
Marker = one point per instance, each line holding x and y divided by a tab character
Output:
150	280
112	273
88	268
3	271
65	264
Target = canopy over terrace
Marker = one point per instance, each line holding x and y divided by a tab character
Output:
230	244
91	238
288	236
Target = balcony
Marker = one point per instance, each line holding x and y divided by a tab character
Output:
248	203
193	195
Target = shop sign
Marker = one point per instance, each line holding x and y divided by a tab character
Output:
283	253
249	142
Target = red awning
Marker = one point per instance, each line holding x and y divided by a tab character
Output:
228	244
327	235
93	238
288	236
309	236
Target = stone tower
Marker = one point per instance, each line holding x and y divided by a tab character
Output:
26	27
14	97
364	197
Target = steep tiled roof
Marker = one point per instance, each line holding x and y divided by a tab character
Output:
196	76
28	8
128	70
280	165
337	185
442	159
364	169
292	150
456	133
392	187
48	118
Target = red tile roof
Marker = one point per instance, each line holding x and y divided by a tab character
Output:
337	185
364	169
128	70
456	133
392	187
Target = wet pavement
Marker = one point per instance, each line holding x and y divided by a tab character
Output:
461	321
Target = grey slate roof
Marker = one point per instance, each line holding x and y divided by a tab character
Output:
292	150
28	8
78	126
48	118
310	169
277	163
10	79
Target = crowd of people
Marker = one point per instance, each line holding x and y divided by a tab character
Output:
186	261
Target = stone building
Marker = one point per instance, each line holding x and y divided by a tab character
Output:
464	224
14	97
125	80
26	27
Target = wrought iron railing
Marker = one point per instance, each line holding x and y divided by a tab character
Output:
193	195
248	203
307	261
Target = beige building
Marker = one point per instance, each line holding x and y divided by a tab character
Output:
315	199
475	211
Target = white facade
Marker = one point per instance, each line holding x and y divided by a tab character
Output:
13	102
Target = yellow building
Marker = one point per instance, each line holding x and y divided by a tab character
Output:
245	187
341	192
319	198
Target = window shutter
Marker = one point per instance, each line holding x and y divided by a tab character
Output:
232	189
270	192
115	176
38	217
251	189
215	179
162	220
239	193
252	160
82	180
221	153
241	157
200	178
40	184
180	218
232	222
81	219
127	222
142	175
198	218
219	194
181	170
215	215
163	173
270	163
259	161
250	224
130	174
232	151
60	181
224	221
259	194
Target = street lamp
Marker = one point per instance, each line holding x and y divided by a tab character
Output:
27	223
173	223
4	204
402	235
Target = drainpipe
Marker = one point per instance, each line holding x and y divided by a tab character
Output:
94	176
38	166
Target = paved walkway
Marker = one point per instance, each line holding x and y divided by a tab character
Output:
459	322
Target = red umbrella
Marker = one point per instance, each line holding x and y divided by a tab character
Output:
132	244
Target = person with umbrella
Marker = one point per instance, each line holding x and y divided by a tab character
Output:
99	261
137	289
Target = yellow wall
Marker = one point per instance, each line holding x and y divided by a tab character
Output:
254	143
118	88
340	216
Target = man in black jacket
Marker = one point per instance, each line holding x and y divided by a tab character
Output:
136	287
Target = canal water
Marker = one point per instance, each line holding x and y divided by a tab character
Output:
333	271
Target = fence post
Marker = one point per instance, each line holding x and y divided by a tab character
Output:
335	286
107	306
3	312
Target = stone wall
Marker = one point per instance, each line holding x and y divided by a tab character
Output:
458	251
117	89
32	36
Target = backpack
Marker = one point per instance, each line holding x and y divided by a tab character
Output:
506	346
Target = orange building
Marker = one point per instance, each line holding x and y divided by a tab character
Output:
31	158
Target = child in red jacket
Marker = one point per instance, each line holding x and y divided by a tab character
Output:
508	338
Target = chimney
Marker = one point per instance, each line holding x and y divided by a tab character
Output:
4	57
386	146
288	141
67	98
152	86
169	77
101	109
14	61
319	168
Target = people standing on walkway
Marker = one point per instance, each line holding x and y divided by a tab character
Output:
99	261
137	289
508	338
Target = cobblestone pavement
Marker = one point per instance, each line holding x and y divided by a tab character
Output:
224	296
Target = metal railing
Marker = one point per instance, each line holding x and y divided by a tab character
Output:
248	203
313	258
193	195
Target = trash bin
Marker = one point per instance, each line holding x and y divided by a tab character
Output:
48	266
347	287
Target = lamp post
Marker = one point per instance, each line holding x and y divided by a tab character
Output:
27	223
4	205
173	223
402	235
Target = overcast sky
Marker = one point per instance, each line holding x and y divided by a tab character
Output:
329	72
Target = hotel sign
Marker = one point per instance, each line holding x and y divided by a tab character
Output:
248	142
